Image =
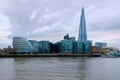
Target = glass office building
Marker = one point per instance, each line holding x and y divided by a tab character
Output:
66	46
87	47
22	45
44	47
101	44
82	36
77	47
35	45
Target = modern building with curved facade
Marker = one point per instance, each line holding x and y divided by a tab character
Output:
22	45
35	45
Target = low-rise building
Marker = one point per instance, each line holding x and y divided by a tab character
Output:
101	44
96	49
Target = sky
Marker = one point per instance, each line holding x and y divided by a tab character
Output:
52	19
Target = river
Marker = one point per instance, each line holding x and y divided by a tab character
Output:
60	68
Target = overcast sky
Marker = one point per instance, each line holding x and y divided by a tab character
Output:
52	19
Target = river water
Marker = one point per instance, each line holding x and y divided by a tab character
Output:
60	68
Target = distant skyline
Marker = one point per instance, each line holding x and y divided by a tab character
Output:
52	19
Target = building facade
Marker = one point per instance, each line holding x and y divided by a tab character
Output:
101	44
66	46
44	47
22	45
87	48
82	36
35	45
77	47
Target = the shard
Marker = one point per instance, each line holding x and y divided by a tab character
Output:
82	28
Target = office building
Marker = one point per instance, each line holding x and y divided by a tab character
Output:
66	37
87	47
22	45
77	47
66	46
82	36
44	47
35	45
101	44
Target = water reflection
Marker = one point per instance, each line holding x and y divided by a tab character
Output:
59	69
7	69
84	68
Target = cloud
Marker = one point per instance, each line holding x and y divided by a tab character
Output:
5	30
51	19
48	16
33	15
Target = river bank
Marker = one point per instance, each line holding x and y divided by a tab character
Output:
49	55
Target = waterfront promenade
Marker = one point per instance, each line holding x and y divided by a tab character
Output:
50	55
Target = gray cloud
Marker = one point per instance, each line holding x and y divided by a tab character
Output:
51	19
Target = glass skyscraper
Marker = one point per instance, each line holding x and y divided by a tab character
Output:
82	36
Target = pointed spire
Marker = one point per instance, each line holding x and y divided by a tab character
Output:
82	29
83	10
